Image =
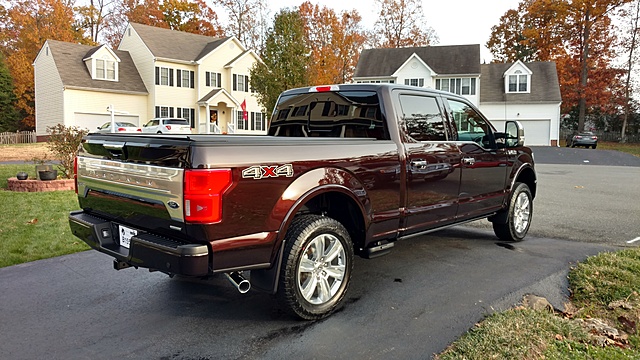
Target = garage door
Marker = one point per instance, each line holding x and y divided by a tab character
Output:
93	121
536	132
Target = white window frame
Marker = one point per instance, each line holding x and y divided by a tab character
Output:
414	82
241	83
519	79
164	76
458	85
105	69
186	78
213	79
164	111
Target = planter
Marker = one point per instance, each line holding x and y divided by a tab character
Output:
48	174
40	168
22	175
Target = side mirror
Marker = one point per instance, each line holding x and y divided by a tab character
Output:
514	134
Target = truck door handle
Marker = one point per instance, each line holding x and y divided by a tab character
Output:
419	164
468	161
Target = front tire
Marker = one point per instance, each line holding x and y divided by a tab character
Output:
519	215
316	268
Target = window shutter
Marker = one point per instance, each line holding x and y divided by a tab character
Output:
253	120
193	117
157	111
179	78
246	84
191	78
179	112
235	82
170	77
219	80
421	82
207	78
157	75
406	81
171	113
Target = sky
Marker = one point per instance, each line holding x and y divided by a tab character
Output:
456	22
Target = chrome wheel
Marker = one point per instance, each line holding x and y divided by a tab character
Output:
321	269
521	212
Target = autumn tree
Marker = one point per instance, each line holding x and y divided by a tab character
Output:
284	58
401	23
94	17
193	16
629	44
247	21
25	26
9	116
335	42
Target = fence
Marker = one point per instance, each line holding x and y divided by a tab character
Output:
604	136
20	137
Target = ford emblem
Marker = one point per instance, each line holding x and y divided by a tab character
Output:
172	204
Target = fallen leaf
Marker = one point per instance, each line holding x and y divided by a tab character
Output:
32	221
559	337
628	325
579	187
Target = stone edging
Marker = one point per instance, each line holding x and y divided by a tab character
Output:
13	184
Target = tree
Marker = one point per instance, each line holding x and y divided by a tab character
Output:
284	58
247	21
335	42
192	16
9	116
401	23
629	45
94	17
24	27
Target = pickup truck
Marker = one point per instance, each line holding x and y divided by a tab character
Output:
345	170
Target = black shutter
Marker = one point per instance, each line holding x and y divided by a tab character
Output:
157	75
179	112
246	83
253	120
235	82
157	110
219	80
179	78
171	113
191	78
207	78
170	77
193	117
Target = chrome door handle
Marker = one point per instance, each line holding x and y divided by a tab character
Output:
419	164
468	161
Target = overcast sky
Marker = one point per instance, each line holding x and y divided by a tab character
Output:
457	22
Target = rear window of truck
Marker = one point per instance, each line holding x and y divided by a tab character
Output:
347	114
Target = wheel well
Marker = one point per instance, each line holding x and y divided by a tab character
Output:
528	177
342	208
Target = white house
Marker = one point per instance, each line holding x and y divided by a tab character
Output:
528	92
154	73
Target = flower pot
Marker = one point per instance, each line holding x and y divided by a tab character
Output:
22	175
48	174
40	168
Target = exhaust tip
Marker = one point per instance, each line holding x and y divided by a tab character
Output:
240	282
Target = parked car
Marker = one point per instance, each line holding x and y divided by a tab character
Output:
121	127
167	126
585	139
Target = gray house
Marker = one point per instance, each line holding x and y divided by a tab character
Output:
527	92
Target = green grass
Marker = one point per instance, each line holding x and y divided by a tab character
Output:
526	334
631	148
34	225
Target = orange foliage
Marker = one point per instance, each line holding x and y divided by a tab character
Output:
28	24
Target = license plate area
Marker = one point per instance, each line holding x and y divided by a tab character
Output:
124	236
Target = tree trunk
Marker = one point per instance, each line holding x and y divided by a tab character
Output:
582	103
627	88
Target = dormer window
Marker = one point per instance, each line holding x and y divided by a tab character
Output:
105	69
519	82
102	63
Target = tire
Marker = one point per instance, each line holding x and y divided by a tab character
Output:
566	144
312	286
573	145
594	146
159	132
519	215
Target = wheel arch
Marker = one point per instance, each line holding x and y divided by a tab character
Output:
526	175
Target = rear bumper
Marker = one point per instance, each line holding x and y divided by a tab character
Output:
146	250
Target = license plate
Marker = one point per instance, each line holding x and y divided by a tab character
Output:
125	235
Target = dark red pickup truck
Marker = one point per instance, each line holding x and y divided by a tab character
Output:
345	170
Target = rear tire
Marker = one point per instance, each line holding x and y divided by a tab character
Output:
316	268
594	146
519	215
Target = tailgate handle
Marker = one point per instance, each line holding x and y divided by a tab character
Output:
113	146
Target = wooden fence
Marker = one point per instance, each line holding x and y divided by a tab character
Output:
20	137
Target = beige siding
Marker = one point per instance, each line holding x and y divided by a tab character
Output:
144	60
94	102
48	92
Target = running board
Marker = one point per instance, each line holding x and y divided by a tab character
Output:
379	249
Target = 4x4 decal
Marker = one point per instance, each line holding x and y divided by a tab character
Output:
267	171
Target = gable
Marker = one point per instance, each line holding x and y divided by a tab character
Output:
443	60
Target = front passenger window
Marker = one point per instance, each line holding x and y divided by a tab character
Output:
471	126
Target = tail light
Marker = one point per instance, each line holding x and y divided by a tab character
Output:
122	129
578	137
594	137
168	127
139	130
75	173
203	190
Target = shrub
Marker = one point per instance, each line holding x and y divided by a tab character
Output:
64	143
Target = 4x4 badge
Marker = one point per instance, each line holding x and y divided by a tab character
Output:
267	171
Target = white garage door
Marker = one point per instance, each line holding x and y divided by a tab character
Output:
93	121
536	132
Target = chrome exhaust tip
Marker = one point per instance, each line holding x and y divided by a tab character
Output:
240	282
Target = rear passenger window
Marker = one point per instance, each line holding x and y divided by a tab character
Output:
422	119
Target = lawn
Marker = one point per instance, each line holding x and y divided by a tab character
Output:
35	225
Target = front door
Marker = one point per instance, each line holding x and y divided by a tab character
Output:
484	166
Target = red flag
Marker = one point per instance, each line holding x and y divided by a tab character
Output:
245	114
